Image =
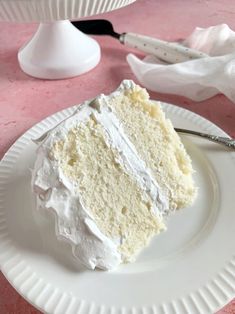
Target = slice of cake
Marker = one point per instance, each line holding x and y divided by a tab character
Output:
111	173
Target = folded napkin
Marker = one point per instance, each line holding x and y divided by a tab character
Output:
197	79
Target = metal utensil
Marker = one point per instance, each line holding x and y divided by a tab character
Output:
228	142
164	50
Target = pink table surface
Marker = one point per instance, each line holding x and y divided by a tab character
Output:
25	101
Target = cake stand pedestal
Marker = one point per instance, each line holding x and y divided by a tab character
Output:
58	50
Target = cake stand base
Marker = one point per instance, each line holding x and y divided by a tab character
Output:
57	51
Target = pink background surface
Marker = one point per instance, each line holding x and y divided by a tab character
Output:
25	101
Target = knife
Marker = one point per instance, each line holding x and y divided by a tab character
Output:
167	51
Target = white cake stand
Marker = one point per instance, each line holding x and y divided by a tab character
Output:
57	50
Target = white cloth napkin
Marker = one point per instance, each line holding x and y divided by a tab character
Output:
198	79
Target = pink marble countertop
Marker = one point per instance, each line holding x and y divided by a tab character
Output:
25	101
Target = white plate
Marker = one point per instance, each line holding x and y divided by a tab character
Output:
188	269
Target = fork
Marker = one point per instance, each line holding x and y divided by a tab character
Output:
226	141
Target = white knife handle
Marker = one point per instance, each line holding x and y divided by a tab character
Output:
167	51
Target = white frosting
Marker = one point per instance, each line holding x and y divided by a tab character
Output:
58	193
128	154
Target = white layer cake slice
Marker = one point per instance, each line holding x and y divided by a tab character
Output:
110	173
